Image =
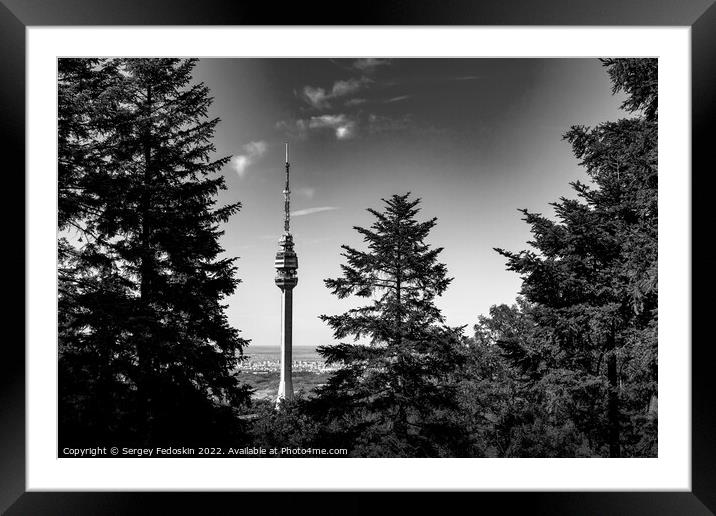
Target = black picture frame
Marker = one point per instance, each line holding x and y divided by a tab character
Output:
700	15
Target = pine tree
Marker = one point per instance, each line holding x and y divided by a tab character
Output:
149	279
395	391
593	279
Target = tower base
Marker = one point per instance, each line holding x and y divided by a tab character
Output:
285	385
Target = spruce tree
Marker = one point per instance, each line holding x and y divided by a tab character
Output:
395	392
150	278
87	96
91	296
592	281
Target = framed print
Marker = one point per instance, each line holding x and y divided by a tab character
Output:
446	248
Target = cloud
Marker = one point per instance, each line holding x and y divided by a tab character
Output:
346	127
251	152
317	97
369	64
321	98
357	101
343	133
311	211
397	99
343	88
343	126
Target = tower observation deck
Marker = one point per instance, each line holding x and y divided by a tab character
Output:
286	264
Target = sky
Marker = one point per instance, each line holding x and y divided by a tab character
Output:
475	139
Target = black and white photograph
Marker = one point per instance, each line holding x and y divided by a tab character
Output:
364	257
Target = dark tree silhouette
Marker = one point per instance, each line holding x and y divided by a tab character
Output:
145	346
395	391
593	278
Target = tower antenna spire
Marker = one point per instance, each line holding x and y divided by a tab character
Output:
287	198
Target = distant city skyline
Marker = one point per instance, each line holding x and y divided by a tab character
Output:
476	139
